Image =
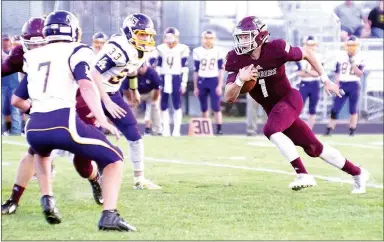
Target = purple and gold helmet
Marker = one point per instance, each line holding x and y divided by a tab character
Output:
63	26
352	45
32	33
249	34
140	31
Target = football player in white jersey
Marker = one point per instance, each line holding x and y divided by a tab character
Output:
32	37
310	80
349	70
172	66
120	57
55	72
208	76
98	40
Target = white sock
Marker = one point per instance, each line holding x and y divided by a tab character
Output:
136	153
285	145
166	128
177	117
332	156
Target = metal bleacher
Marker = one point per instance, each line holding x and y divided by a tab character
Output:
309	18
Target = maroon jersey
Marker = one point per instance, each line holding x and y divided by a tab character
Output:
14	62
272	83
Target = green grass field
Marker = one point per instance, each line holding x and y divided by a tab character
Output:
214	188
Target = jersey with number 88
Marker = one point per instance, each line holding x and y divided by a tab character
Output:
208	61
51	81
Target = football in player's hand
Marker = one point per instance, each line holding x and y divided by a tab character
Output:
248	85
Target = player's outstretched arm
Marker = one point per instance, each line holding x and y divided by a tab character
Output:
329	86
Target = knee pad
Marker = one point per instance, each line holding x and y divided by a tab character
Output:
334	115
83	166
131	132
314	149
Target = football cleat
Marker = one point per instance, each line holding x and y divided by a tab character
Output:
51	213
111	220
360	182
9	207
96	190
302	181
145	184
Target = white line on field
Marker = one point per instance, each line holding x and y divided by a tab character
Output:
151	159
269	144
326	178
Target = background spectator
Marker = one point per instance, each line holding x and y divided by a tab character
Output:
10	115
376	21
351	17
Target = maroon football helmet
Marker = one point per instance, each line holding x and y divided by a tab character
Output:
249	34
31	34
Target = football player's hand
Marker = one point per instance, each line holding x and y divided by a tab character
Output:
183	89
115	110
135	97
331	87
196	92
248	73
111	129
219	91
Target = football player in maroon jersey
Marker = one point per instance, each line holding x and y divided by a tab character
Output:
254	58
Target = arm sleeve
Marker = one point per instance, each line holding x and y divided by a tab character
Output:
231	78
298	64
220	64
109	56
80	62
196	60
337	68
361	65
184	56
22	89
289	52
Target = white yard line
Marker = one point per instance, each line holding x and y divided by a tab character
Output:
326	178
151	159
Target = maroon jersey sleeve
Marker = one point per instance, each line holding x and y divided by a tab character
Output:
288	52
14	62
231	66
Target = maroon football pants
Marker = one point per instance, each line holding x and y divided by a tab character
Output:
284	117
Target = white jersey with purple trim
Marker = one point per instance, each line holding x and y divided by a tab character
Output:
208	60
306	66
171	58
344	68
116	59
50	68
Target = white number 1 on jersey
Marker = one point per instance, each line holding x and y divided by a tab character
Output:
263	87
